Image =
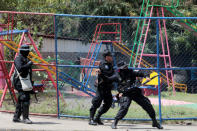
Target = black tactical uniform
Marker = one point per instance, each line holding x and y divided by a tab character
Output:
132	92
103	93
23	65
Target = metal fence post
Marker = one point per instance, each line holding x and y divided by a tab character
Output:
158	71
56	61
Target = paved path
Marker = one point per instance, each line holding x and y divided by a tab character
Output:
166	102
50	123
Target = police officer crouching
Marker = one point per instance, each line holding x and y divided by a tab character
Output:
106	77
23	66
128	92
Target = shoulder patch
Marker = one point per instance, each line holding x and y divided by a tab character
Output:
106	67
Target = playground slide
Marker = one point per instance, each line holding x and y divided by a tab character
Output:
126	51
188	24
36	59
31	54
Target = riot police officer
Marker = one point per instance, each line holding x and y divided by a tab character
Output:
106	77
128	90
23	66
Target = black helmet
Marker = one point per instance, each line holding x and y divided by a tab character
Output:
107	53
24	48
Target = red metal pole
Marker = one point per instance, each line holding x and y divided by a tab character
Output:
168	49
11	71
163	49
30	13
49	74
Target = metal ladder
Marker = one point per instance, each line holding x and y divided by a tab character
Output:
140	41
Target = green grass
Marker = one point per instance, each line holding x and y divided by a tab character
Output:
75	105
180	96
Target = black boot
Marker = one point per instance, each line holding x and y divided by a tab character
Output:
156	124
16	120
114	124
91	120
98	120
17	113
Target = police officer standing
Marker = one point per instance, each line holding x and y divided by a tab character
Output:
23	66
106	76
129	91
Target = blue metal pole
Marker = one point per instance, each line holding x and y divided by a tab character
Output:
123	17
158	71
129	119
56	54
93	63
74	85
174	68
68	77
89	65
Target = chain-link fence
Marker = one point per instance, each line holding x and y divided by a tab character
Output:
137	43
155	46
34	29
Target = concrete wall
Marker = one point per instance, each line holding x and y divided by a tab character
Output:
67	46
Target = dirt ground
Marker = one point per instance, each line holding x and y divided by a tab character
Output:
54	124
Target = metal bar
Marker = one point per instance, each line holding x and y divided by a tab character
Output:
76	81
86	72
139	48
11	71
174	68
93	63
5	76
130	119
109	24
94	39
168	49
8	24
144	43
108	32
48	71
120	33
77	87
78	66
122	17
154	55
56	61
12	32
30	13
136	35
158	71
163	48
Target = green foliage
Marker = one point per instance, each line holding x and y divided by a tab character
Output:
8	5
179	38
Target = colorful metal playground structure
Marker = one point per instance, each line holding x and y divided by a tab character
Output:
135	54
